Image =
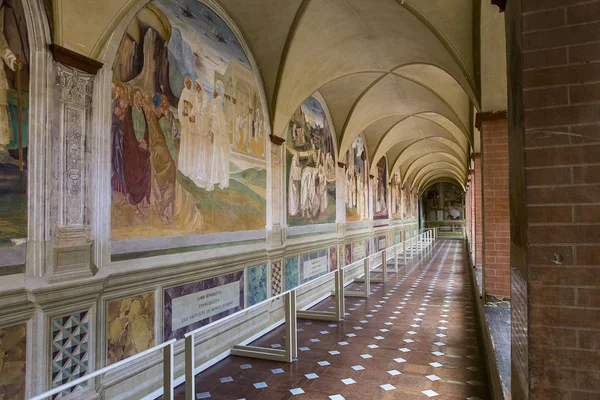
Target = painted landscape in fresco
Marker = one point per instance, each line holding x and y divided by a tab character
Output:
357	181
396	196
311	166
14	51
380	210
188	131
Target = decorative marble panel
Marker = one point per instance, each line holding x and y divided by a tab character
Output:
13	346
276	279
333	259
257	284
130	324
70	345
347	254
291	273
190	306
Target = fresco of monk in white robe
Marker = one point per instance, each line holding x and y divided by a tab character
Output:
221	148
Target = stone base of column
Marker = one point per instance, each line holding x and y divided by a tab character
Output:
276	236
72	255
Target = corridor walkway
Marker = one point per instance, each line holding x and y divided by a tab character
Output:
413	338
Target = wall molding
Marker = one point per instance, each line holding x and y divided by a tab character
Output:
489	116
74	59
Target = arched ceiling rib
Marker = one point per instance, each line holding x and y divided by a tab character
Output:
339	37
437	179
411	130
434	168
392	96
440	177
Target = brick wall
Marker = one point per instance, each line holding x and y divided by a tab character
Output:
478	237
496	214
560	72
472	208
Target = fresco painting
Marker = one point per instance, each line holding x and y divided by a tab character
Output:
310	166
188	130
396	196
14	126
257	284
357	181
444	202
380	184
407	208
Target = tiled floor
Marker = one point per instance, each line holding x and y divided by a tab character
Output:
414	338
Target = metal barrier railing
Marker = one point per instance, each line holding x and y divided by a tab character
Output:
417	243
167	372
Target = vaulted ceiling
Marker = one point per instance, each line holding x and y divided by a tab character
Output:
404	72
401	71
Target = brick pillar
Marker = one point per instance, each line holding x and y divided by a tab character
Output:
468	212
554	112
477	214
496	215
472	208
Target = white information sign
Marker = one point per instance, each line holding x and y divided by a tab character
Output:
358	252
195	307
313	268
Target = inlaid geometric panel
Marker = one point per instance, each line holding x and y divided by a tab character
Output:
70	345
276	280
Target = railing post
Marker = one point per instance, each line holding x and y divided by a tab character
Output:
291	332
190	382
168	372
396	258
412	248
384	266
339	294
404	251
367	277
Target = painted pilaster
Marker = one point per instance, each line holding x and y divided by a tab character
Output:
276	217
39	182
71	247
100	172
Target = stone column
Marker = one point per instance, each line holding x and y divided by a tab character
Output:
277	216
71	244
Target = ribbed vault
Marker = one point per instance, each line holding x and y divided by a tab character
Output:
401	72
